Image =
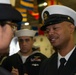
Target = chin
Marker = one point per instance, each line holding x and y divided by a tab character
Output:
56	47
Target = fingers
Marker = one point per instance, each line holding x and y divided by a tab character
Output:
25	74
15	71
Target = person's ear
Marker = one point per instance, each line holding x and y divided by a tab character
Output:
72	28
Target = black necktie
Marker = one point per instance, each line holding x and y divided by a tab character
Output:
62	63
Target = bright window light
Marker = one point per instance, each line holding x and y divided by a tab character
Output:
43	4
27	23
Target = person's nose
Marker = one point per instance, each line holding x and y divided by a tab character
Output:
24	42
51	31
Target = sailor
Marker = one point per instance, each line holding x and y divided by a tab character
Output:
59	25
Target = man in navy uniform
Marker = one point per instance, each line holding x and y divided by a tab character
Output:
9	16
26	61
59	25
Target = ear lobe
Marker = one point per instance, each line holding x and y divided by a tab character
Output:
72	28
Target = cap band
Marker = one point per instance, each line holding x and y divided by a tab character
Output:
55	19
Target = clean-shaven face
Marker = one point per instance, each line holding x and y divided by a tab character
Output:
25	43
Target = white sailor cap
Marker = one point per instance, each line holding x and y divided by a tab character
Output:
25	32
56	14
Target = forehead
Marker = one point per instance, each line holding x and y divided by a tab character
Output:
62	24
24	37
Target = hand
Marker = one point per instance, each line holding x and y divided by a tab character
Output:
15	71
25	74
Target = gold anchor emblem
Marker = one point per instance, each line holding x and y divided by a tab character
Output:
45	16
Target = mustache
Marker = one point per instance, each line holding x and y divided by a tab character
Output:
51	36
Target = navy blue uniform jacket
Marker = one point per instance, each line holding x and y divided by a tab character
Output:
4	72
31	66
49	67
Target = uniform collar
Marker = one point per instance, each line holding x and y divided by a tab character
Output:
66	57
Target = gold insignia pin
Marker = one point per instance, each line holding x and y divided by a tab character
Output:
68	18
45	16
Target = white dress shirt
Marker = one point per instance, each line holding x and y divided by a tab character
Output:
66	57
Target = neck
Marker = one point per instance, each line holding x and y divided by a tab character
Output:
26	53
64	53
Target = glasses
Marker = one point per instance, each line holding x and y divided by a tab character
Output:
12	24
